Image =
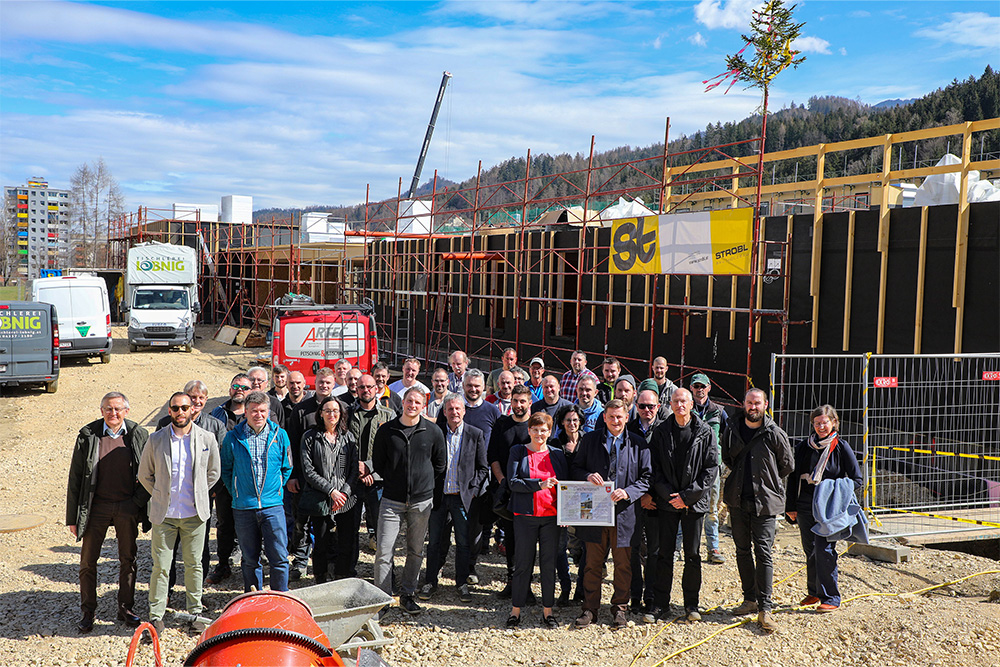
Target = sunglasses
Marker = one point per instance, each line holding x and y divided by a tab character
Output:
646	406
180	408
241	387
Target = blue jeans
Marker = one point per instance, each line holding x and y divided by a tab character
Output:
712	517
451	506
268	526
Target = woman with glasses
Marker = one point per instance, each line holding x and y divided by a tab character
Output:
532	473
569	420
330	471
821	456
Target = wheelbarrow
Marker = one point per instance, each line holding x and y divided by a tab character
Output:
346	610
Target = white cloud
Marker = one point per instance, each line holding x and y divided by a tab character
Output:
860	14
843	51
697	39
533	12
811	45
658	42
975	29
725	13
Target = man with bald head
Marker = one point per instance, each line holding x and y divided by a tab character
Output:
684	468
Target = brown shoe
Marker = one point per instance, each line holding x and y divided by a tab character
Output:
584	619
766	621
808	601
748	607
620	621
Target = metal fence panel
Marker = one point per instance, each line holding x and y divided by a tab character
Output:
926	429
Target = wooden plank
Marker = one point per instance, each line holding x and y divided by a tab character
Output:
962	240
817	244
732	313
710	302
918	329
849	281
883	272
227	334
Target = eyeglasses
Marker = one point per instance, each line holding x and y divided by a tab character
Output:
366	386
180	408
241	387
646	406
108	408
330	412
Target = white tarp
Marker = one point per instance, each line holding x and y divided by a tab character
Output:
626	209
944	188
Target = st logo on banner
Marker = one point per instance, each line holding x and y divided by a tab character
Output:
635	245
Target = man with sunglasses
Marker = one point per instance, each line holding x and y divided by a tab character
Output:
230	414
178	467
104	490
647	521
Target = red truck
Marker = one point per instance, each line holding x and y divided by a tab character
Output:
307	336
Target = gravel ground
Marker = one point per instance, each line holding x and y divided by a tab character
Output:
39	597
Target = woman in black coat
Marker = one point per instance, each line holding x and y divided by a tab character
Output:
823	455
330	471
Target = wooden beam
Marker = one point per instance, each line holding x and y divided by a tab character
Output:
817	245
732	305
883	272
962	240
711	301
849	282
918	329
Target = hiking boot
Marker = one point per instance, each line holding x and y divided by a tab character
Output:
218	575
748	607
198	625
767	622
584	619
621	620
654	614
427	591
715	556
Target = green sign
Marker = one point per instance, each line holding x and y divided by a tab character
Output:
83	331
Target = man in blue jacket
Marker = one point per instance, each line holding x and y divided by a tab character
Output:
255	467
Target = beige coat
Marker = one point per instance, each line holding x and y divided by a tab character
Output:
155	465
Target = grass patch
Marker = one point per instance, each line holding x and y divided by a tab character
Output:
11	293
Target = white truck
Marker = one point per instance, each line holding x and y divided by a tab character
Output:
161	295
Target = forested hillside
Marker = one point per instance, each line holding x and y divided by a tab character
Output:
819	120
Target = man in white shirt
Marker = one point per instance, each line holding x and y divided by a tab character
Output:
178	467
411	368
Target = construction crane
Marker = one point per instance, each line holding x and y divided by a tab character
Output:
427	138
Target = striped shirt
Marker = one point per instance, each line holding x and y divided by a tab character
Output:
257	444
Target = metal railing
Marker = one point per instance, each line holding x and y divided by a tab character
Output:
926	429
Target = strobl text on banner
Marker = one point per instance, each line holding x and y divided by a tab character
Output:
702	242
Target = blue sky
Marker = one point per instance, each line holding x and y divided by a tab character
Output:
307	103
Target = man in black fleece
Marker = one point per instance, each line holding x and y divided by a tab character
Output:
410	456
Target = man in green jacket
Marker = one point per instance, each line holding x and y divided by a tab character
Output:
103	491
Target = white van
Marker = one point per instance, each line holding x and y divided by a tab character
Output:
83	313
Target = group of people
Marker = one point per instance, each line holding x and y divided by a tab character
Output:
294	473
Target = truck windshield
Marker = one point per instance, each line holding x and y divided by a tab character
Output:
161	299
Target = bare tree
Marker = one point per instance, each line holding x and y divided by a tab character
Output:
8	249
95	199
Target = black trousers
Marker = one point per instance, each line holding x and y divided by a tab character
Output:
647	527
336	540
225	526
691	524
531	531
124	516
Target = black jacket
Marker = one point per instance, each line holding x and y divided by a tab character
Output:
523	486
80	489
412	469
769	456
694	479
473	471
319	460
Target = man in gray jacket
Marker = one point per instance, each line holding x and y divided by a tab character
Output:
760	457
178	467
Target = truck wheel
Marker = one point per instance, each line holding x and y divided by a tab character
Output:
51	387
106	358
132	347
188	347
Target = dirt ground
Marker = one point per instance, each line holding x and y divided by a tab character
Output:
39	597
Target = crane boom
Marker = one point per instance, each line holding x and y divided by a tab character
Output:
427	137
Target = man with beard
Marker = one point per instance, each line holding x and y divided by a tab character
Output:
759	455
279	383
364	420
439	389
586	392
349	397
178	467
610	369
386	396
625	391
230	414
508	431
